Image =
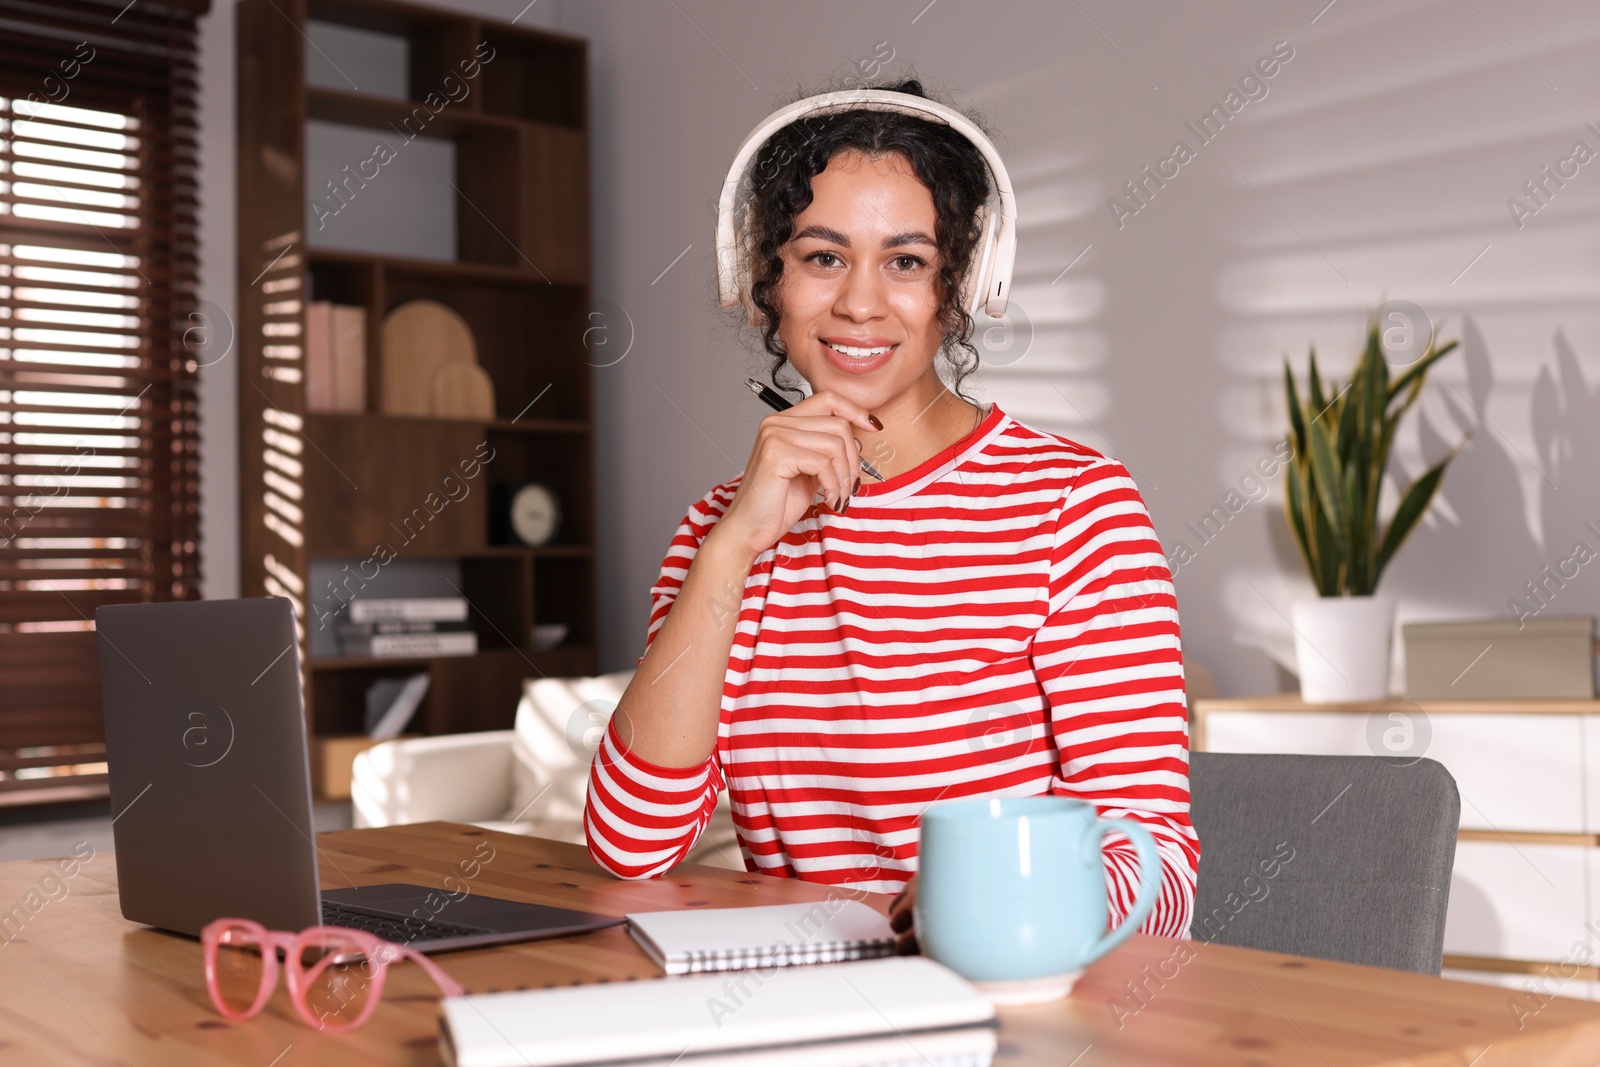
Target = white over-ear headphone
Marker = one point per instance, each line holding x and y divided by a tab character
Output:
988	287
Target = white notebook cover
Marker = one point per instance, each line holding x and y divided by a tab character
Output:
867	1012
731	939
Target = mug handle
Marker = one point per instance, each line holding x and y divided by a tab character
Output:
1149	884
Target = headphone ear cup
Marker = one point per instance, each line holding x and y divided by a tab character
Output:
975	286
742	262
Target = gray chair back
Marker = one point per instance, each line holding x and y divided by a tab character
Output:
1338	857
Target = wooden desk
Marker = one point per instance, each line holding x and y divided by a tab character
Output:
83	986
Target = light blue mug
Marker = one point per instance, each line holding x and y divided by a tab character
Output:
1011	891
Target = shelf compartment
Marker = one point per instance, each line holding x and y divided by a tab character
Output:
562	464
467	692
521	190
342	282
528	339
499	595
537	76
438	42
404	484
489	193
553	169
563	592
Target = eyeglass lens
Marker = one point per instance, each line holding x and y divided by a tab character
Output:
239	966
339	978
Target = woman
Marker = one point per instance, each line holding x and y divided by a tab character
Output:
996	617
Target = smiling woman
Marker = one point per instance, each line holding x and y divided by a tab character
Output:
877	174
996	618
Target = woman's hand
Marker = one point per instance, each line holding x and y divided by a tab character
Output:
900	919
812	447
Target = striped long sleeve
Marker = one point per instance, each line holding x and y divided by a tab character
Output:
998	621
1109	662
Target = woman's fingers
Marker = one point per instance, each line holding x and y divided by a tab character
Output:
828	433
829	437
839	447
792	453
901	918
901	921
831	403
812	447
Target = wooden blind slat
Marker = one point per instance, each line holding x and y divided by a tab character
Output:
98	220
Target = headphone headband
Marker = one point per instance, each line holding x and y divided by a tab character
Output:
988	288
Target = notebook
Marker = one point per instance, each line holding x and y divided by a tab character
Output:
778	935
906	1010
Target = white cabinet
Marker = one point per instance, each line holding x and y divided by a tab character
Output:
1525	895
1519	901
1514	772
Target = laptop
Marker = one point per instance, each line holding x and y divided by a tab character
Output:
211	790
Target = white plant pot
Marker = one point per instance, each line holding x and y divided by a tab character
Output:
1341	646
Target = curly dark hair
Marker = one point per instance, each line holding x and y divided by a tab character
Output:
942	159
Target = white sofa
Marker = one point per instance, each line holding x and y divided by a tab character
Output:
530	779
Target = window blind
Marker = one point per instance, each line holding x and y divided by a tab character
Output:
99	346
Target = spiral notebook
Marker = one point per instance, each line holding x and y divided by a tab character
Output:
778	935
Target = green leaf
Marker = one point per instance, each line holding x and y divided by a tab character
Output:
1372	455
1420	368
1375	393
1349	417
1413	505
1295	510
1297	419
1329	575
1314	387
1356	536
1412	393
1328	481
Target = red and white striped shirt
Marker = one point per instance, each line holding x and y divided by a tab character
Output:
998	621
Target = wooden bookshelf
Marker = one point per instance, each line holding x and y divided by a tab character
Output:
521	280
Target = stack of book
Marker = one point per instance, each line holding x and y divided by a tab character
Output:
336	358
409	627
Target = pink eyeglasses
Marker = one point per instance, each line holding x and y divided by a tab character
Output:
335	974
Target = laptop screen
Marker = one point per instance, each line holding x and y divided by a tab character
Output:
206	747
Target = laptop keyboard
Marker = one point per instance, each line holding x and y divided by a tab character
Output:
393	929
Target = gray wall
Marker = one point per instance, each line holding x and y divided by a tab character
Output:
1379	163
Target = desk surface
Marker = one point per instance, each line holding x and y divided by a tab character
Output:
81	985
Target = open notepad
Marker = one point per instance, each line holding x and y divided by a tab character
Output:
902	1012
736	939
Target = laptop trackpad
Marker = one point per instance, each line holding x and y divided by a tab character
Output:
487	913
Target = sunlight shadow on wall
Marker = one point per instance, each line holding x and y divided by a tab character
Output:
1395	186
1040	363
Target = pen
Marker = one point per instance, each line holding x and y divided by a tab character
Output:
777	402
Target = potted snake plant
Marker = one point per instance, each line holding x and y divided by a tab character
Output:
1342	440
